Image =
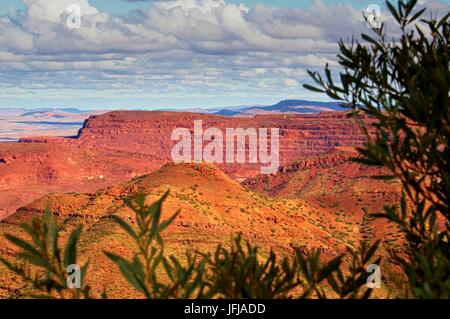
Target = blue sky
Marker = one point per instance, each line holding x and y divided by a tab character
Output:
120	6
178	53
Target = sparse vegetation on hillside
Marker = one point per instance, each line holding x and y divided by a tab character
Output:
239	270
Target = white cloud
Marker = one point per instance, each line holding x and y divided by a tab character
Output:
309	60
253	73
263	85
13	38
197	47
52	10
291	82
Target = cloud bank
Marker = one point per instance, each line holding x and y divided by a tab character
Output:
179	48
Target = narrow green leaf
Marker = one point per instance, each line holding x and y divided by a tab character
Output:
125	226
70	253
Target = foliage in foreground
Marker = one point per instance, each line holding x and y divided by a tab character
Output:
403	85
43	251
238	271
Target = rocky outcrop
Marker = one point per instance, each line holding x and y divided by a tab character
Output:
150	133
333	158
117	146
319	162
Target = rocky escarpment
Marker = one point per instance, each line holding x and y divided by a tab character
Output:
150	133
319	162
270	184
301	135
116	146
323	176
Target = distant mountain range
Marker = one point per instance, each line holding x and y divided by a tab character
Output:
284	107
39	111
16	123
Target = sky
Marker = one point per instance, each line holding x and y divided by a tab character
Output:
121	6
129	54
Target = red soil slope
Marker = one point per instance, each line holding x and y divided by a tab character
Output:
206	220
345	194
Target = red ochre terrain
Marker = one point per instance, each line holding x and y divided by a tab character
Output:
214	207
117	146
149	133
319	199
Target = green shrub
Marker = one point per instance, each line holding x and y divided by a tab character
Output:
403	86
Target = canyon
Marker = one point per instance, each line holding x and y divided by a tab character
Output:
117	146
319	199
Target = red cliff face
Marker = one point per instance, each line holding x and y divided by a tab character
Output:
150	133
332	159
117	146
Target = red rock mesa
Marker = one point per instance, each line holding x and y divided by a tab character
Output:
117	146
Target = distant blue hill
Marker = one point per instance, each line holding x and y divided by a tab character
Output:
46	110
286	106
51	123
73	110
227	112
